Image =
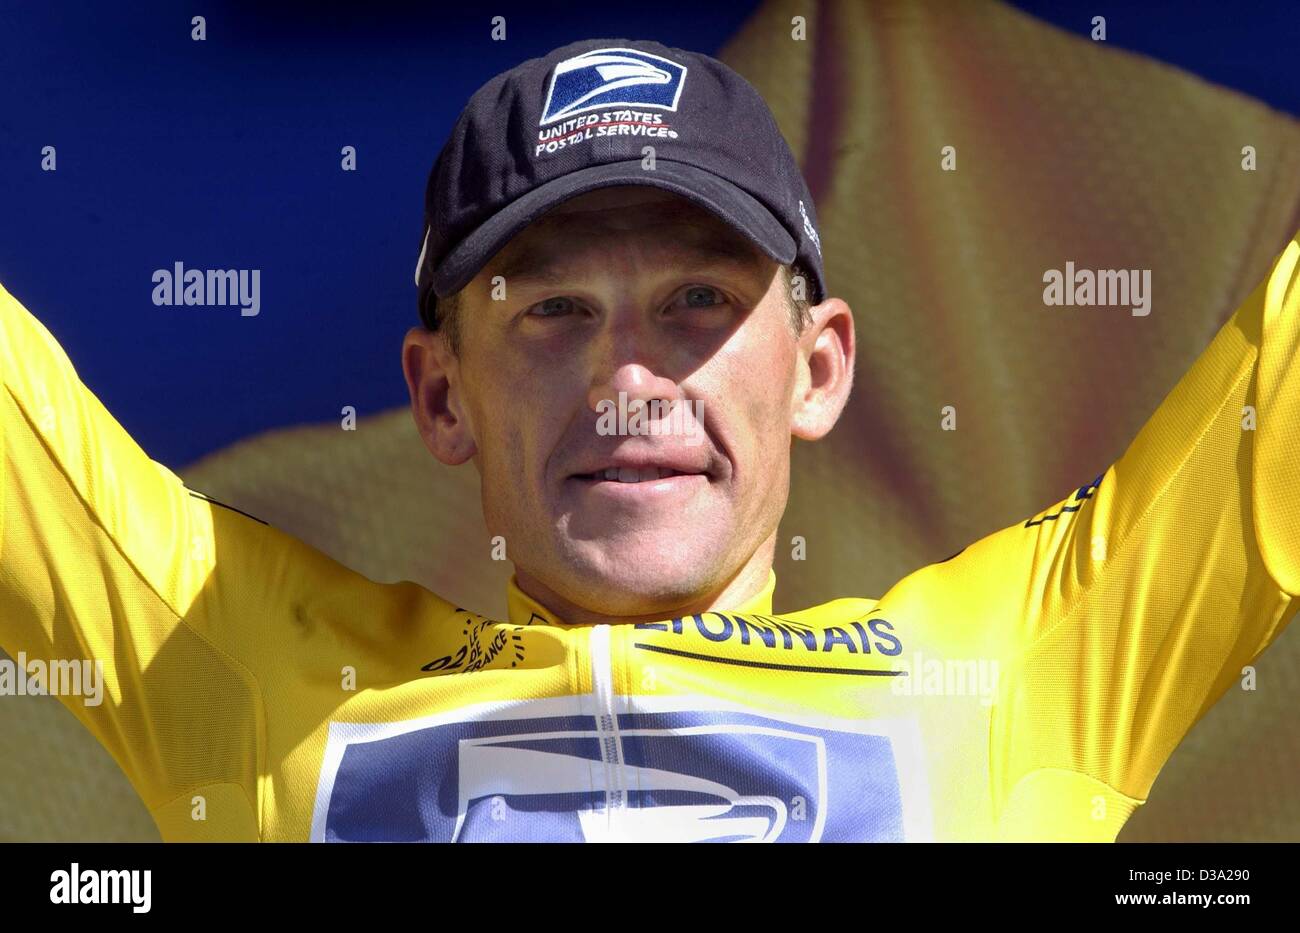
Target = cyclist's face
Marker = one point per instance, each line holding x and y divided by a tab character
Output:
620	298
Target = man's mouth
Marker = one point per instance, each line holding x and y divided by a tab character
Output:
632	474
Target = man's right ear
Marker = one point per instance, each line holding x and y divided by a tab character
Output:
433	380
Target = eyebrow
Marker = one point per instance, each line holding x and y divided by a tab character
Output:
542	264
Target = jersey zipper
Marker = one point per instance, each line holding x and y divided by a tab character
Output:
607	732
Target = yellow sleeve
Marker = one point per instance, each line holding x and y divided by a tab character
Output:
103	552
1143	596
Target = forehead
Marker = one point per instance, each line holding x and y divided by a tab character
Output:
659	220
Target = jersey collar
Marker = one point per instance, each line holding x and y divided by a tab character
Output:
524	610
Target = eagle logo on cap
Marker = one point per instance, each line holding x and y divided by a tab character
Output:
612	77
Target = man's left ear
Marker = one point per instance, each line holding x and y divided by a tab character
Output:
825	373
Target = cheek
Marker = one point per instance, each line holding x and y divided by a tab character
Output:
514	413
760	377
508	497
753	387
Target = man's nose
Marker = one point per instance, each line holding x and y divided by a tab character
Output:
636	381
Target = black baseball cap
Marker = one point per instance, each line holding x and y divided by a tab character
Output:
579	119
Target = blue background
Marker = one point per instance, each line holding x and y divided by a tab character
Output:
225	154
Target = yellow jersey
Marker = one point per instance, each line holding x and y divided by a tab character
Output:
1029	687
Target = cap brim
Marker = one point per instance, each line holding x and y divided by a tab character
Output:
731	204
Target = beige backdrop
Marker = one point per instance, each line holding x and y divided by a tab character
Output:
1066	150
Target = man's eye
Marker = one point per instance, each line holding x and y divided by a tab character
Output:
553	307
701	296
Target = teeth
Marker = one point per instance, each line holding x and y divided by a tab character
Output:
635	475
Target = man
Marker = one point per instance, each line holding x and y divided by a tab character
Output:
662	305
626	321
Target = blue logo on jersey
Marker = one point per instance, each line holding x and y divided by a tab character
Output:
688	775
610	78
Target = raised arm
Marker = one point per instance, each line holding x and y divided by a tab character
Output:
1154	587
103	553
